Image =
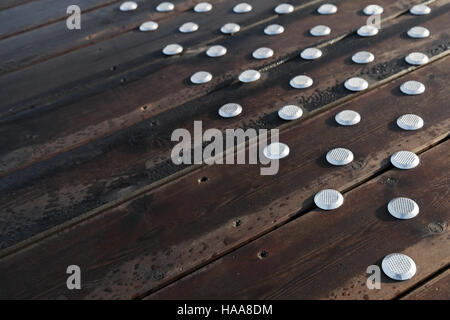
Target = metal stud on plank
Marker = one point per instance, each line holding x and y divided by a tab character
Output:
230	110
262	53
242	8
418	32
276	151
165	7
420	9
311	53
216	51
188	27
230	28
412	87
347	118
339	156
403	208
416	58
405	160
320	31
173	49
367	31
301	82
273	29
410	122
249	76
284	8
363	57
201	77
128	6
398	266
203	7
148	26
356	84
328	199
327	9
290	112
373	9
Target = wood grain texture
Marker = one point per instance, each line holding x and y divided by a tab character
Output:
167	232
325	254
437	288
115	167
6	4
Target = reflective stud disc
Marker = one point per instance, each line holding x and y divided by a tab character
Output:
412	87
242	8
363	57
416	58
249	76
410	122
327	9
290	112
405	160
328	199
188	27
276	150
320	31
367	31
262	53
165	7
128	6
301	82
230	110
230	28
173	49
418	32
216	51
311	53
403	208
373	9
284	8
201	77
348	118
356	84
273	29
203	7
148	26
398	266
339	156
420	9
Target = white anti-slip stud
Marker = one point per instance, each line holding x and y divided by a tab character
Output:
363	57
148	26
418	32
347	118
262	53
398	266
373	9
165	7
188	27
412	88
290	112
367	31
216	51
405	160
203	7
242	8
276	151
328	199
230	110
301	82
311	54
416	58
201	77
327	9
273	29
410	122
249	76
403	208
128	6
339	156
230	28
320	31
284	8
172	49
356	84
420	9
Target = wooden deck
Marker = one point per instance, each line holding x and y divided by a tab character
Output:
87	179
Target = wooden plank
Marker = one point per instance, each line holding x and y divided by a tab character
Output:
325	255
6	4
117	166
147	242
437	288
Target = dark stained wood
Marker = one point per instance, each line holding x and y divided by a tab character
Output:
437	288
145	243
6	4
325	254
116	167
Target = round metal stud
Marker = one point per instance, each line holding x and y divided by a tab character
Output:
327	9
398	266
420	9
363	57
290	112
356	84
230	110
216	51
273	29
301	82
284	8
320	31
172	49
276	151
203	7
249	76
373	9
416	58
410	122
165	7
328	199
148	26
418	32
339	156
188	27
367	31
128	6
403	208
412	87
347	118
242	8
230	28
262	53
311	53
405	160
201	77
